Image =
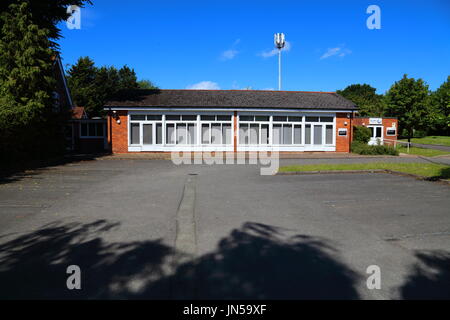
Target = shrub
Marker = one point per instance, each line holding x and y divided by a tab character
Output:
361	134
365	149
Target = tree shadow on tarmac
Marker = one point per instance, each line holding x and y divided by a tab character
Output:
430	277
256	261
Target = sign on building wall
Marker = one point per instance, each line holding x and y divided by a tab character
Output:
375	121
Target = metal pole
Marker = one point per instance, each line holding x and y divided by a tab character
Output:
279	69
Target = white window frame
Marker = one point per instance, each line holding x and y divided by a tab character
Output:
290	147
198	146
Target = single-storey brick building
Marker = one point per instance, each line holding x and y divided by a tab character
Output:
230	120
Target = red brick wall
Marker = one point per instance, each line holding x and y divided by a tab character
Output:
387	123
343	142
118	132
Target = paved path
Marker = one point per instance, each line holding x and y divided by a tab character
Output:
247	235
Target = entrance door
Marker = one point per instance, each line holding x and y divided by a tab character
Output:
377	135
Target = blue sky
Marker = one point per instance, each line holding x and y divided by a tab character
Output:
227	44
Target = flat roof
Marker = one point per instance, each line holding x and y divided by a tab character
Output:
231	99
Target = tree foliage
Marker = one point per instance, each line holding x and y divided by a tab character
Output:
362	134
441	102
146	84
409	101
92	87
46	14
26	83
365	97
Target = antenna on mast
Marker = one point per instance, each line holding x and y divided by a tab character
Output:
280	42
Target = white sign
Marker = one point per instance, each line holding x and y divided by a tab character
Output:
375	121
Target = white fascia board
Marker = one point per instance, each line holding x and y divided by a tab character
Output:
150	109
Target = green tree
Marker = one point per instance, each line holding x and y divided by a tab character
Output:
46	14
81	80
441	103
365	97
92	87
26	83
146	84
127	79
409	101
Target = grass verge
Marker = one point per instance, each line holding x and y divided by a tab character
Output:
422	151
439	140
429	170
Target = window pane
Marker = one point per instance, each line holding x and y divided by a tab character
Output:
208	118
287	134
307	134
264	134
391	132
84	129
379	132
170	133
92	127
226	134
295	119
246	118
147	134
317	134
254	133
276	134
137	117
312	119
192	131
172	117
159	133
189	117
216	133
135	133
223	118
329	134
154	117
262	118
205	133
371	131
297	134
326	119
181	133
243	134
280	118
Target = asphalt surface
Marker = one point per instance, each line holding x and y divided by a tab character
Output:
148	229
431	146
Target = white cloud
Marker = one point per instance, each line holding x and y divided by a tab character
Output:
229	54
271	53
204	85
339	51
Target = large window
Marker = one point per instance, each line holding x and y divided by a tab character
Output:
180	129
216	130
254	130
90	129
149	125
286	130
319	130
208	130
